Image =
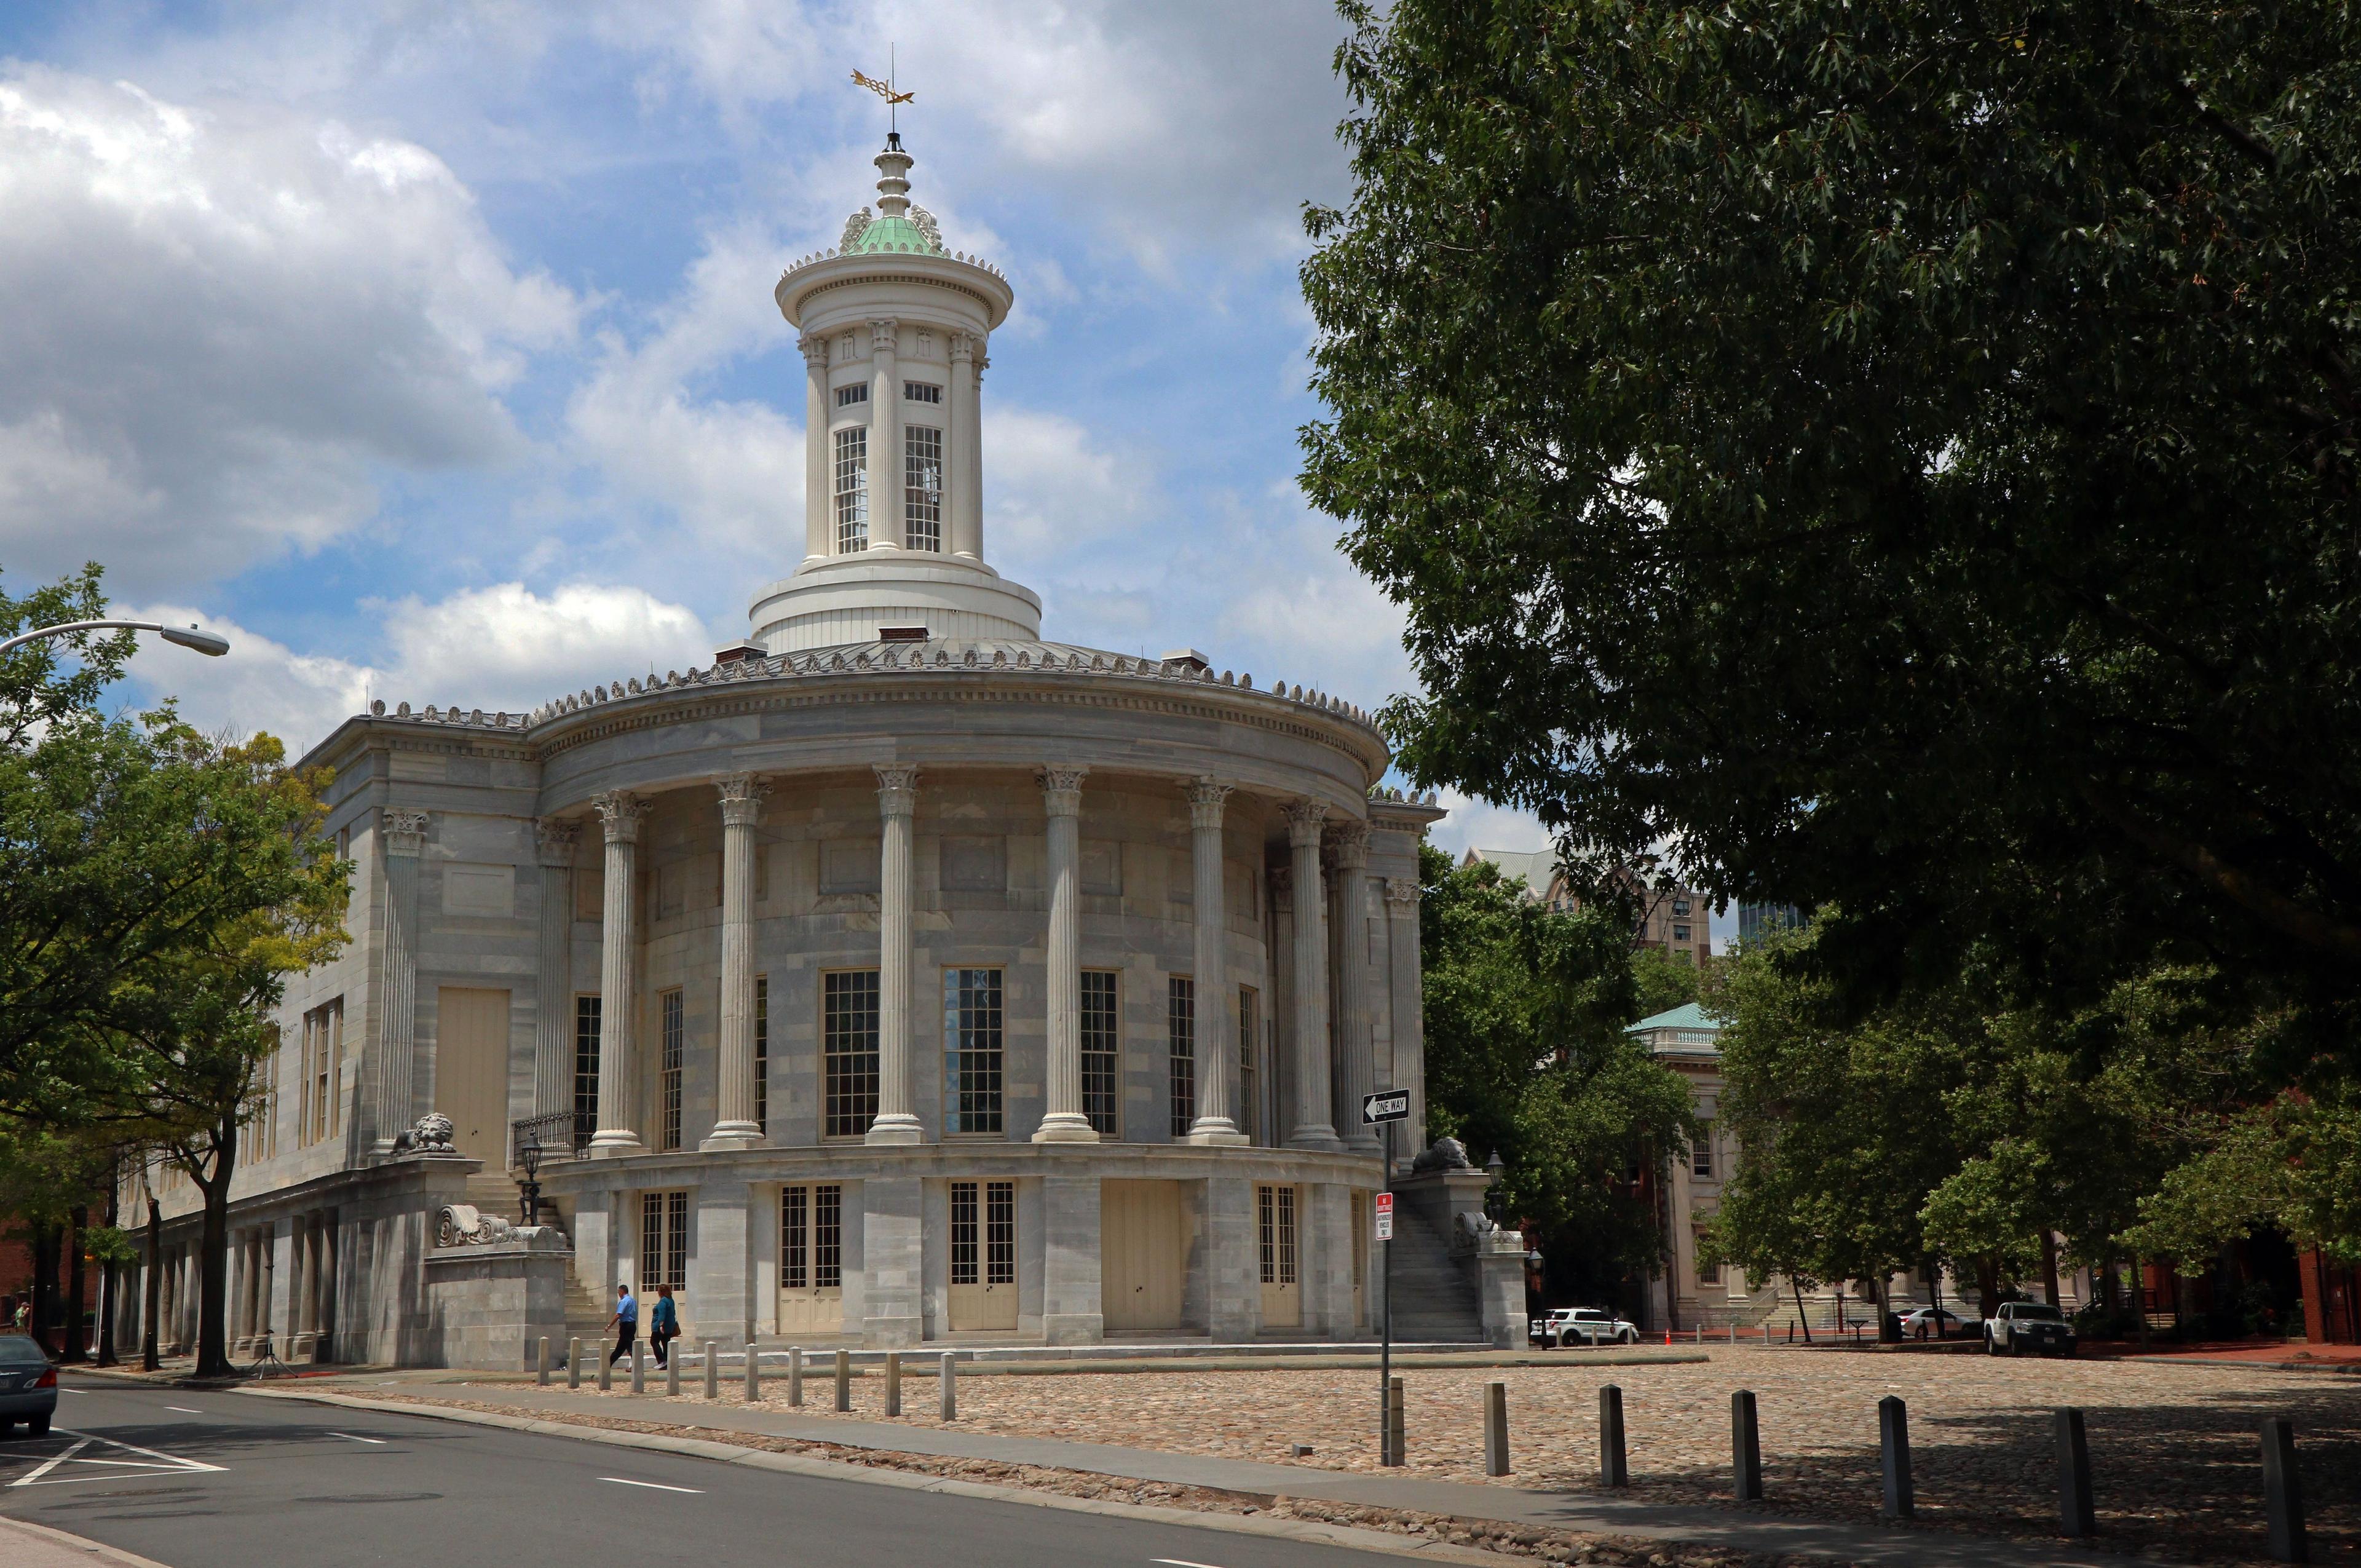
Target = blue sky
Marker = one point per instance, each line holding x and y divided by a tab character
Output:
428	348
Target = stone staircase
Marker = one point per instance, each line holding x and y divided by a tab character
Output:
1434	1300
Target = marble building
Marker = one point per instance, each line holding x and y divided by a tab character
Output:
900	977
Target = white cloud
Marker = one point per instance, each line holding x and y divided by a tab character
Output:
1051	486
228	319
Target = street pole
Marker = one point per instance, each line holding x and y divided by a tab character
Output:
206	642
1386	1455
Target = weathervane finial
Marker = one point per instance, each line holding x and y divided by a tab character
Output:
884	90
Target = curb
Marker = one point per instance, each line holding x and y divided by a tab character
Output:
1322	1534
2328	1368
97	1552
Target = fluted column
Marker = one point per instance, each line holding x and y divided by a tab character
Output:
897	801
1062	799
1408	1069
741	806
1312	1129
619	1081
960	461
819	520
887	528
553	1041
1215	1005
404	835
1356	1072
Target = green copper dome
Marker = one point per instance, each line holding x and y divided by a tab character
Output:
892	235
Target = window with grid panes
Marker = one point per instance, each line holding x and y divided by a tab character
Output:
586	1061
848	1052
1249	1090
1101	1053
851	489
1701	1151
922	488
984	1233
1181	1030
971	1050
1276	1235
670	1031
664	1243
811	1237
763	1053
323	1038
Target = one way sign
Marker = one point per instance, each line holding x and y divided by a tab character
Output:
1385	1105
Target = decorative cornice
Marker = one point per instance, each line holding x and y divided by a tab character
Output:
558	836
405	831
1061	790
1305	818
897	788
1206	797
623	812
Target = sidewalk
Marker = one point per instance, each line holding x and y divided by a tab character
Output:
1729	1528
23	1545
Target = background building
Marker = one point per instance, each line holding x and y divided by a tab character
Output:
1674	920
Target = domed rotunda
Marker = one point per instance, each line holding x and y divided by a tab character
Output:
901	977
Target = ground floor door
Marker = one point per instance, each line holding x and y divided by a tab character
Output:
1282	1294
811	1258
984	1256
471	1071
1143	1254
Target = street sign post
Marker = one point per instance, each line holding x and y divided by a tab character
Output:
1383	1109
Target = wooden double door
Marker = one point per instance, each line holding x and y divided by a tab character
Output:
1143	1239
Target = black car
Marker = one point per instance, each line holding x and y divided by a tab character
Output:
29	1386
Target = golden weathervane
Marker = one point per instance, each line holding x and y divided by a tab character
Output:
882	89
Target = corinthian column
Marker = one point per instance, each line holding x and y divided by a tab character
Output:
1356	1058
1061	801
741	806
897	803
1409	1065
961	463
819	525
404	835
887	528
618	1067
1214	1003
1312	1129
552	1036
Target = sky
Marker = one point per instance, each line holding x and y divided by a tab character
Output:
427	348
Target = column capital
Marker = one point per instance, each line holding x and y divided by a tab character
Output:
1348	845
1282	886
1402	897
897	788
557	836
1206	796
1305	818
741	798
884	334
815	348
1061	790
623	812
962	348
406	832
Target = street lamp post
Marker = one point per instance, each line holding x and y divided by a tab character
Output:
529	1158
209	643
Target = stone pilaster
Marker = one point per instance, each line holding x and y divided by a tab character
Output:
819	516
403	834
892	1308
1071	1309
1062	799
1216	1023
1312	1129
1348	845
741	806
553	1043
1406	977
897	804
887	528
719	1303
618	1131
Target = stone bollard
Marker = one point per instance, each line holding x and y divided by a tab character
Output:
2282	1494
1495	1429
1894	1458
1745	1447
893	1382
2075	1512
753	1373
605	1367
573	1363
1699	1332
712	1370
672	1370
1733	1334
639	1367
1394	1403
1612	1472
949	1392
795	1374
844	1380
540	1356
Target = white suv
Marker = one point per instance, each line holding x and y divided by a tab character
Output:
2028	1325
1588	1325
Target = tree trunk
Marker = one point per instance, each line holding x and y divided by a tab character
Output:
2139	1298
77	1347
1888	1331
110	1287
213	1264
1801	1316
2049	1266
1987	1288
151	1309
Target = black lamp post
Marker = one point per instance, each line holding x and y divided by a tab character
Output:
1492	1169
529	1158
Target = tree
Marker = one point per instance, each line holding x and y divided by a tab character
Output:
1905	459
47	1180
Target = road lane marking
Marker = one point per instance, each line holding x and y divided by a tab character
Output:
52	1464
1181	1562
350	1438
184	1409
652	1485
148	1463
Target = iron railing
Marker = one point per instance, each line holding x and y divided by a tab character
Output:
562	1134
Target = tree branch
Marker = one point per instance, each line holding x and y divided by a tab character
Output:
2275	909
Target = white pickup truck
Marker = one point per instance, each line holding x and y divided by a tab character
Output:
1564	1325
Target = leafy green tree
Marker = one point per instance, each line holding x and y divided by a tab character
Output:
1901	458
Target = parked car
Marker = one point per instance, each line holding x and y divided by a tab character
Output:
1933	1323
1589	1325
29	1386
2028	1325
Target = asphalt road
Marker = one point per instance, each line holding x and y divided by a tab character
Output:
219	1480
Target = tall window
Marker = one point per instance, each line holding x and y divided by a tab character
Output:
585	1062
851	489
1101	1053
1180	1019
763	1053
324	1046
664	1241
668	1093
971	1050
848	1048
811	1237
266	1097
984	1233
1277	1233
922	487
1701	1151
1249	1087
1706	1273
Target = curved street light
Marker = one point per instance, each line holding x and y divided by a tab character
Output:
209	643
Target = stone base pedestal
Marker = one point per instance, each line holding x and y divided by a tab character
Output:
489	1304
1073	1328
892	1333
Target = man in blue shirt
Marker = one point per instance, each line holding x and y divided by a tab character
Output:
663	1323
625	1322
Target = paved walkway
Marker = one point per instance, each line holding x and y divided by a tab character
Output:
1743	1530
